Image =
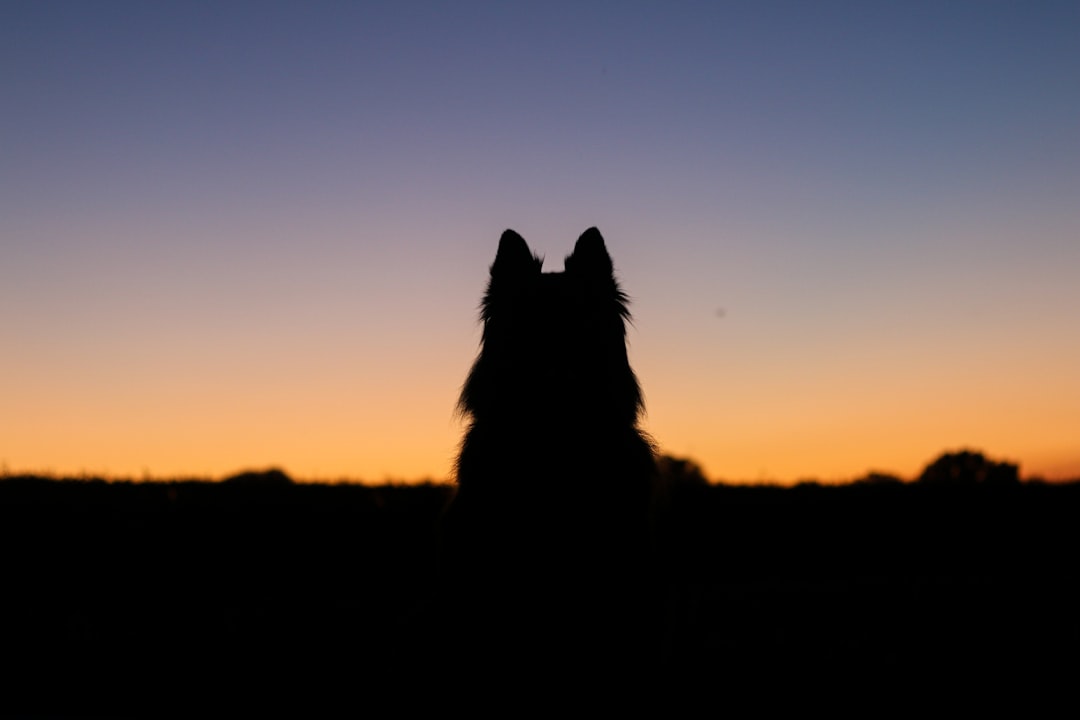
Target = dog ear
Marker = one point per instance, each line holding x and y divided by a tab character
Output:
590	258
513	258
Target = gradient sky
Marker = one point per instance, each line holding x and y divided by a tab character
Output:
246	234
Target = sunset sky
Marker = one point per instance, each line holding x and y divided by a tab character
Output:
244	234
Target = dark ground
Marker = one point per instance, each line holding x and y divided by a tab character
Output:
168	596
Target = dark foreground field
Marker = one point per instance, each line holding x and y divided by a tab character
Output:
158	596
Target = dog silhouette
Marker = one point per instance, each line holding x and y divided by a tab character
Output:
546	545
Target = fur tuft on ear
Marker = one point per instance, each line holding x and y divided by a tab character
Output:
590	257
513	258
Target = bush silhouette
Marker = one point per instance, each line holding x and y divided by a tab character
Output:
967	467
273	477
680	472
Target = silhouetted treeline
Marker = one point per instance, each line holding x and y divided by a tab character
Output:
149	596
176	594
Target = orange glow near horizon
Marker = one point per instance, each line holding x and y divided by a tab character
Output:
323	428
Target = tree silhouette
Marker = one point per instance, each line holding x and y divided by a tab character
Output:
967	467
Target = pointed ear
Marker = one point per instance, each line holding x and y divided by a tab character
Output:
590	258
513	258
